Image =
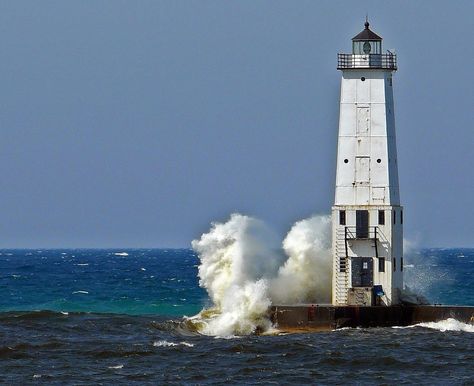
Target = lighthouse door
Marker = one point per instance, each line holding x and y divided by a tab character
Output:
363	119
362	171
362	272
362	224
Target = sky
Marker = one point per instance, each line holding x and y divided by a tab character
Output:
138	123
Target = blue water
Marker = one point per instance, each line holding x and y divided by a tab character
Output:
443	276
115	316
134	282
165	282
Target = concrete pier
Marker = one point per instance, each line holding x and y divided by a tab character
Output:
314	317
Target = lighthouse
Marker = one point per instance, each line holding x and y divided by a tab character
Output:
367	218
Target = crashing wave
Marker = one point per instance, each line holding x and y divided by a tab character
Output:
245	269
448	325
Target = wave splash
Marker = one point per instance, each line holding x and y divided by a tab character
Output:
449	324
245	269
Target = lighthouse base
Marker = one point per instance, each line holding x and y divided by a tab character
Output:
314	317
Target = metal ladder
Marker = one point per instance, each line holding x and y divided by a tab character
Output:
341	268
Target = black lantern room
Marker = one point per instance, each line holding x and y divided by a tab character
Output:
367	42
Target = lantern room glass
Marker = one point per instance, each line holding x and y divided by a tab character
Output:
366	47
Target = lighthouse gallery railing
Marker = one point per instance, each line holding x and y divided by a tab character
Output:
376	61
372	233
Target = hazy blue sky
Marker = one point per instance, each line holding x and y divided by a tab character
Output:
137	123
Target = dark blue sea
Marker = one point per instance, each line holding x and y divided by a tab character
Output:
81	316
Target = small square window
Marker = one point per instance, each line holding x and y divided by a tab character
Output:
381	264
342	217
381	217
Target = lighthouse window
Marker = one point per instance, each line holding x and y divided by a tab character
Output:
379	160
362	79
381	264
401	263
346	161
342	217
394	217
394	264
401	217
381	217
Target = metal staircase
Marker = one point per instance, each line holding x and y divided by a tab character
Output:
341	267
342	261
371	233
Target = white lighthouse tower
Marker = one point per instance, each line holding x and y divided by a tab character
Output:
367	217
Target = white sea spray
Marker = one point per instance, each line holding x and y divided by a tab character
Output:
237	258
422	273
245	269
306	275
449	324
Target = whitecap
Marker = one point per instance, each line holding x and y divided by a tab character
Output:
116	367
143	269
353	328
165	343
37	376
448	325
82	264
80	292
228	337
121	254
